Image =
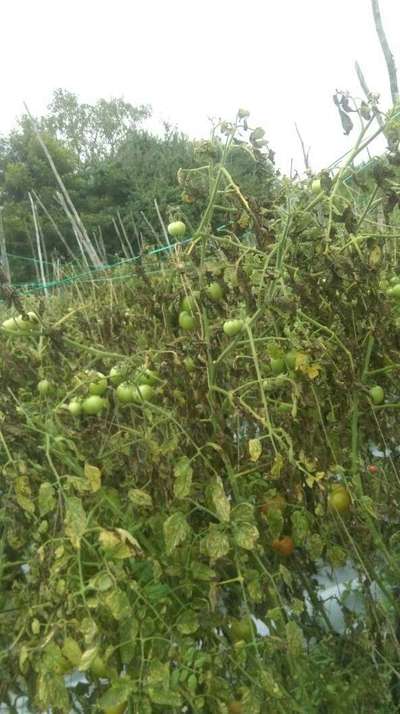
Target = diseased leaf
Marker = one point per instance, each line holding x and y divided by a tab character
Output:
255	449
139	498
117	694
75	520
183	473
220	500
176	530
216	543
93	475
246	535
23	494
47	500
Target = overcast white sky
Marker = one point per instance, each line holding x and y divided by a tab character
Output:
281	59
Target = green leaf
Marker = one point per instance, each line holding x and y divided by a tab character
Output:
118	603
295	639
118	693
188	622
220	500
159	674
270	685
201	571
183	473
52	693
75	520
246	535
46	498
166	699
139	498
299	526
72	651
176	530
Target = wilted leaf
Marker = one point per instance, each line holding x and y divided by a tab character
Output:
270	685
139	498
295	639
299	526
23	494
75	520
72	651
176	530
375	257
220	500
255	449
277	466
93	475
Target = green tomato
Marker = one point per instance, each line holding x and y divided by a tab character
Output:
339	499
316	186
28	324
189	302
99	384
118	709
235	707
146	376
11	325
75	407
394	292
377	394
93	405
116	376
290	359
187	321
215	292
242	629
44	387
143	393
176	229
277	365
233	327
189	364
125	393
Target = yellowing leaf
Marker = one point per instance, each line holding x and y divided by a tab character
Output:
255	449
93	475
23	494
277	466
220	500
75	520
176	530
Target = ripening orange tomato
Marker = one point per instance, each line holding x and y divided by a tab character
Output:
284	546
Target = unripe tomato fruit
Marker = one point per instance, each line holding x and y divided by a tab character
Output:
176	229
93	405
189	364
116	376
339	499
44	387
377	394
242	629
143	393
316	186
10	325
394	291
215	292
75	407
98	385
290	359
235	707
233	327
277	365
125	393
284	546
187	321
119	709
189	301
146	376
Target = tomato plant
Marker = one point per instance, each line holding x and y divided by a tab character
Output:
189	302
44	387
125	393
97	383
116	376
394	291
277	365
242	629
75	407
290	359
